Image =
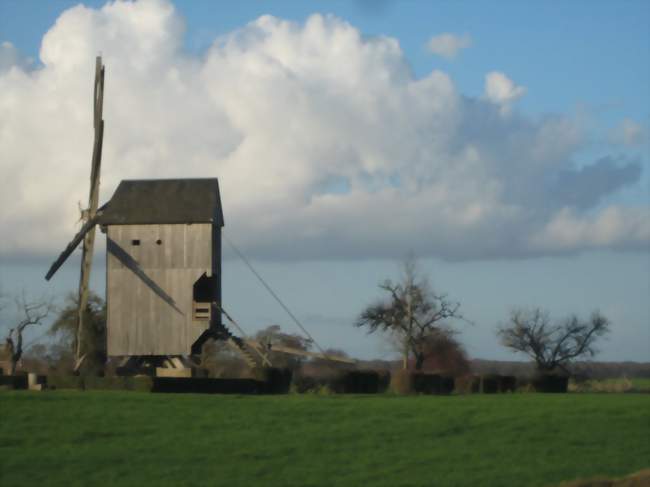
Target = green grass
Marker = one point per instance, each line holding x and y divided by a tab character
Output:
128	439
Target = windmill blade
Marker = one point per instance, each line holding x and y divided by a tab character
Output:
89	225
93	198
98	124
98	94
305	353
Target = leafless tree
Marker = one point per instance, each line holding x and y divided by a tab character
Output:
411	313
552	345
31	313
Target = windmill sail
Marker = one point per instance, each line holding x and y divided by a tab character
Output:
72	245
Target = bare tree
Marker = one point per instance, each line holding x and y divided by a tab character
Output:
411	313
552	345
32	313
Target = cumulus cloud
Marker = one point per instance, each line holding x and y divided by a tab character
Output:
448	45
501	90
325	144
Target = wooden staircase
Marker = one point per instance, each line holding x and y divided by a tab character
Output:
251	351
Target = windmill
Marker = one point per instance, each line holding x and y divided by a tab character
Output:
89	215
163	269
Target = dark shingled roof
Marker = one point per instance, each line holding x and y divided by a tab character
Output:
150	201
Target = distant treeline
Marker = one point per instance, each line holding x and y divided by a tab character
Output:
586	370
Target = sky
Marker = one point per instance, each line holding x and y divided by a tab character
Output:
505	145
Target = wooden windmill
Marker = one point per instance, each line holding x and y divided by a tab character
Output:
163	268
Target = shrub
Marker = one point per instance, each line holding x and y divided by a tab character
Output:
358	382
384	380
609	385
140	383
467	384
409	382
490	384
205	385
18	381
278	381
342	382
494	383
65	381
402	382
304	383
554	383
507	383
104	383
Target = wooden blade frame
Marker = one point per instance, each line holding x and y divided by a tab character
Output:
72	245
93	202
303	353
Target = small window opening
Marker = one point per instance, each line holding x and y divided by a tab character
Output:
158	242
135	241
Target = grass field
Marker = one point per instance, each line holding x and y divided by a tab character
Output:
128	439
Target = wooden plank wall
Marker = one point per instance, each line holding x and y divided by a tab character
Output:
149	287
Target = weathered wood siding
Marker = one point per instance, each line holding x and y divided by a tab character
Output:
149	286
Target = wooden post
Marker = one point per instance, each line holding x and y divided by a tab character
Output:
89	239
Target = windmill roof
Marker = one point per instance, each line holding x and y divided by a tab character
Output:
153	201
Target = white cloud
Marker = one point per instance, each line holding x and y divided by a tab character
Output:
448	45
629	133
501	90
324	143
567	231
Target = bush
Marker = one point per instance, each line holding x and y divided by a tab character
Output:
402	382
139	383
65	381
494	383
490	384
409	382
432	383
92	383
18	381
467	384
304	383
507	383
209	386
278	381
384	380
342	382
358	382
554	383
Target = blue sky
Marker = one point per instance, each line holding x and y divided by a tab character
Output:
588	62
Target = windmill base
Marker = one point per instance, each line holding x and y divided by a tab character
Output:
158	366
163	372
